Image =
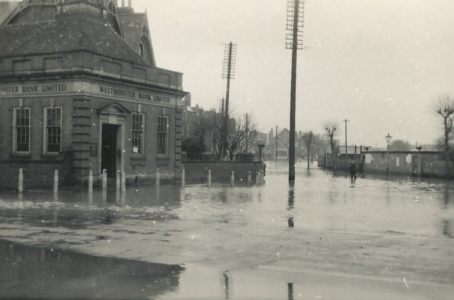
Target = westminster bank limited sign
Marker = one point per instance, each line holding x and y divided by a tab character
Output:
84	88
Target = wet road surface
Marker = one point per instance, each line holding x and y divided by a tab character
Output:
365	239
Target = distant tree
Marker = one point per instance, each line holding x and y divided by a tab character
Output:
308	139
444	107
195	144
236	138
215	127
331	128
319	144
248	125
193	148
400	145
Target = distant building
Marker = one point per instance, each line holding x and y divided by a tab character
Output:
80	91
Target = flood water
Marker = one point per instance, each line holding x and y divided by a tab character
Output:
319	201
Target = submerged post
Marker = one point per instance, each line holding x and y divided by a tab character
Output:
232	178
117	182
90	181
21	181
123	181
158	179
56	181
209	178
182	177
104	178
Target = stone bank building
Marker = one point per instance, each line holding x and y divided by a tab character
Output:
80	91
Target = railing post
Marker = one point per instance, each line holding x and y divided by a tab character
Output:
209	178
117	182
158	179
56	181
90	181
183	175
104	178
21	181
123	181
257	178
249	178
232	178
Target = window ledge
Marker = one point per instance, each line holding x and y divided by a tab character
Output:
20	156
138	157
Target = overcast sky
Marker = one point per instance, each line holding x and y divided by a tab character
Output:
379	64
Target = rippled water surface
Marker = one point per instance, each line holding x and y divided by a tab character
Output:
320	200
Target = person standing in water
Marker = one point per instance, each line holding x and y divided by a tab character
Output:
352	171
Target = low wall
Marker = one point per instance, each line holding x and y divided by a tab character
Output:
38	174
196	171
408	163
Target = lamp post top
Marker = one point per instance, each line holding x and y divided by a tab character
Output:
388	138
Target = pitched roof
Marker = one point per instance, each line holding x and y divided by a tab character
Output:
133	25
6	8
67	33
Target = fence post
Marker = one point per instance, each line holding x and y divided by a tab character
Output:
157	177
56	181
182	177
90	181
117	182
257	178
249	178
104	178
209	178
232	178
123	181
21	181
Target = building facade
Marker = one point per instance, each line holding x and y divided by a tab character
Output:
80	92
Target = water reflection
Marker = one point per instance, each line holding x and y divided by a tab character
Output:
226	285
447	193
290	290
291	199
290	206
44	273
448	228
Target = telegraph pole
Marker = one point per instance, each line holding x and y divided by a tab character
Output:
346	136
275	152
246	131
295	15
228	72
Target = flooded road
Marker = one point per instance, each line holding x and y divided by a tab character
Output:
362	239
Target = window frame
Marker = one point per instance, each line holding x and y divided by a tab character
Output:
166	149
141	49
142	140
45	132
15	151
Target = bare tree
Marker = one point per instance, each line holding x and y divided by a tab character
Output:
331	128
445	108
249	126
216	129
308	139
319	143
236	138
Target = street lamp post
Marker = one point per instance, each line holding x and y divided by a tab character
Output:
388	140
